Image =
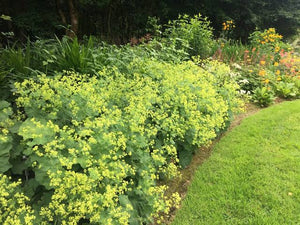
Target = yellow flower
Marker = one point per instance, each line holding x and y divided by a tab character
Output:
277	48
276	64
277	72
262	73
250	71
278	78
262	62
266	81
5	131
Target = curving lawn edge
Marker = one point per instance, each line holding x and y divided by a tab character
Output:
253	174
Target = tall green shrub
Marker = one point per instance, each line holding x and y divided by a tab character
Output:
192	33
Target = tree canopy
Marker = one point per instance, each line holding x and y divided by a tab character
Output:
119	20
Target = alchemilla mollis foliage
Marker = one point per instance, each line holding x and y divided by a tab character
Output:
91	149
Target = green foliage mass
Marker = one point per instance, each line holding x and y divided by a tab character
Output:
90	56
263	97
14	205
117	22
93	148
193	33
5	136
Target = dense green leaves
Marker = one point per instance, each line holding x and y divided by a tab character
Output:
95	146
91	56
5	136
194	34
117	22
4	155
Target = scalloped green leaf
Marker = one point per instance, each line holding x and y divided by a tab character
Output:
4	104
4	163
5	148
37	132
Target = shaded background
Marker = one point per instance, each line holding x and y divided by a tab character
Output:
116	21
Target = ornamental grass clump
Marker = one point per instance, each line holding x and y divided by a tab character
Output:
91	149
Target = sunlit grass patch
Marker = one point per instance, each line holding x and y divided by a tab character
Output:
253	176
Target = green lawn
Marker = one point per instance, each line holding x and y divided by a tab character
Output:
253	175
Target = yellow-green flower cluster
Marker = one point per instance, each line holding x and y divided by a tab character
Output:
13	204
6	124
99	144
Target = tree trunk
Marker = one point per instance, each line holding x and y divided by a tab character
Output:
74	18
109	21
61	13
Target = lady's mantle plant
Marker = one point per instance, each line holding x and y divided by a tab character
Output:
90	149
